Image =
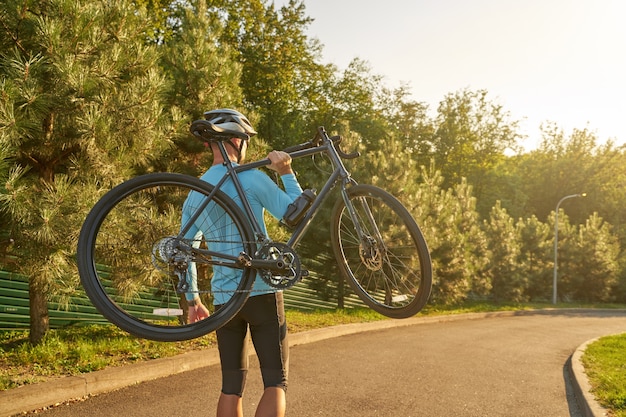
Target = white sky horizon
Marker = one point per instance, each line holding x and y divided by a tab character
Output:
561	61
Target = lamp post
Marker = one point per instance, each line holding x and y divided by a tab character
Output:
556	241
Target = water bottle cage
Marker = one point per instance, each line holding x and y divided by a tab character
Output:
297	210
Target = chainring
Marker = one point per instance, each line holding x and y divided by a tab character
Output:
293	272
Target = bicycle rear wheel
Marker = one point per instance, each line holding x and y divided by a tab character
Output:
382	252
124	261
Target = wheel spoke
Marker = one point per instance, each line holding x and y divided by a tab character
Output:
388	265
134	266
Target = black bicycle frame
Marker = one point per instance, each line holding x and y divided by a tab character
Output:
340	173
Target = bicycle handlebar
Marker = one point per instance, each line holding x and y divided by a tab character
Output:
316	142
340	151
299	147
207	132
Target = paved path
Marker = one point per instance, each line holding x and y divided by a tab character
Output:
506	365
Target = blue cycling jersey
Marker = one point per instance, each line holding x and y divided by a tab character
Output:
262	193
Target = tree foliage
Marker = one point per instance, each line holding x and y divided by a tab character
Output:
92	93
597	253
471	138
79	111
536	257
202	75
281	73
508	279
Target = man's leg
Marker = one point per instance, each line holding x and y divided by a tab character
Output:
231	342
229	406
272	403
269	335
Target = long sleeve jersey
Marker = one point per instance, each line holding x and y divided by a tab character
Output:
262	194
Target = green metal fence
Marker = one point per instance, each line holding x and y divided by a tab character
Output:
14	304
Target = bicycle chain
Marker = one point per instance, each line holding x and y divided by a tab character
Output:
169	252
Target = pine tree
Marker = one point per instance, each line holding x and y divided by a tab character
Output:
203	76
536	257
449	221
567	254
597	257
507	278
80	110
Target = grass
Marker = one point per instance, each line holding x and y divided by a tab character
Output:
605	365
76	350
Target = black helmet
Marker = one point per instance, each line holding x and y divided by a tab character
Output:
230	120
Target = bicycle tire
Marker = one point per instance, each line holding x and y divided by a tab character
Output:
390	268
124	279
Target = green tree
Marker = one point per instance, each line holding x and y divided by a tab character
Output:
508	281
619	290
409	122
281	75
79	111
471	137
161	14
536	259
449	221
509	184
202	76
355	96
605	187
569	164
596	260
561	166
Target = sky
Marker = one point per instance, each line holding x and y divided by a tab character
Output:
560	61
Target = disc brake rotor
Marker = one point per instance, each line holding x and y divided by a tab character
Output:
371	253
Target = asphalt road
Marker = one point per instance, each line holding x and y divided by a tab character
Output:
499	366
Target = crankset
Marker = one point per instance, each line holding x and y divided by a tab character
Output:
291	270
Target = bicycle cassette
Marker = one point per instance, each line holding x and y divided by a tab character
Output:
292	271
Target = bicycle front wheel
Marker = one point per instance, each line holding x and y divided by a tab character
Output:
129	256
381	251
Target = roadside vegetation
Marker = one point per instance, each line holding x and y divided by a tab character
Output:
605	364
77	350
94	93
82	349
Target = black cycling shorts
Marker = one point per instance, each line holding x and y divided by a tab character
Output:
265	316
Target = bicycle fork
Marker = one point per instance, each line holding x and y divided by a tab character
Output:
372	249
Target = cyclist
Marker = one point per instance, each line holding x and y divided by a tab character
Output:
263	313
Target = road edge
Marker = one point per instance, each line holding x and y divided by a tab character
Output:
56	391
587	402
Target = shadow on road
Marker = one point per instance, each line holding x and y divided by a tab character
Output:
570	393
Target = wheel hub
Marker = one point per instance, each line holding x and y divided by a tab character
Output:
371	253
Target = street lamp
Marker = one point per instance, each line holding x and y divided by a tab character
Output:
556	241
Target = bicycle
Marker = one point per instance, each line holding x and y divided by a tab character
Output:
134	261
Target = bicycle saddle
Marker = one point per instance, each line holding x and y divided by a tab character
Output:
208	132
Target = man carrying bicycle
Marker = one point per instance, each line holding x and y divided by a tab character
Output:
263	313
